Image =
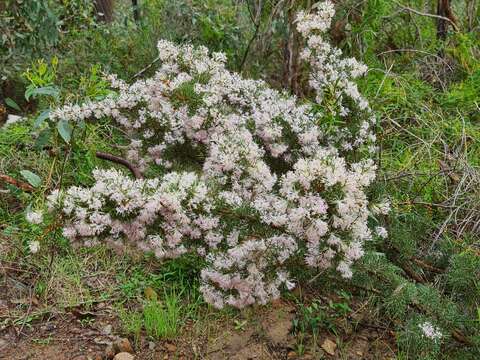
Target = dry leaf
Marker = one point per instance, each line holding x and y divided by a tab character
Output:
329	346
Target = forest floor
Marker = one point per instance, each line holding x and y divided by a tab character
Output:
41	332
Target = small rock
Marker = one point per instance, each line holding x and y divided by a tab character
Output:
151	345
109	353
107	330
123	345
124	356
12	119
171	347
50	327
329	346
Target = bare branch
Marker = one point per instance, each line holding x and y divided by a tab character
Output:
141	72
406	8
118	160
19	184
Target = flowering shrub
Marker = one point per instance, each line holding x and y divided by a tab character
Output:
255	180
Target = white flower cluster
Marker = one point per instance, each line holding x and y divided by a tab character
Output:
271	179
34	217
430	331
155	215
34	247
332	78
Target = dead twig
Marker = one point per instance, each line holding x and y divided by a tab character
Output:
427	266
118	160
141	72
417	12
412	274
19	184
417	51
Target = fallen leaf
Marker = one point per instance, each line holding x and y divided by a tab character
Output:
329	346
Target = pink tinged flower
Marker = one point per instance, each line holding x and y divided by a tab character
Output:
69	232
345	269
381	231
430	331
354	251
240	123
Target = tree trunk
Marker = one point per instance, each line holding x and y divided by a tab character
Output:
291	53
104	10
136	11
444	10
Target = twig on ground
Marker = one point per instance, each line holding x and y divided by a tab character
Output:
19	184
412	274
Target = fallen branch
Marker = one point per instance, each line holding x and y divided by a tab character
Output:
412	274
118	160
19	184
461	338
427	266
445	168
421	263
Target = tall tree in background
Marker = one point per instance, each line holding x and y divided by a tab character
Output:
445	11
104	10
136	12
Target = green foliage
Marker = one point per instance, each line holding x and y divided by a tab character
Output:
159	317
466	95
162	318
463	276
33	179
42	74
132	323
31	27
28	24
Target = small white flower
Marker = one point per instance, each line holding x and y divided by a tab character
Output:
34	217
34	246
382	208
381	231
430	331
